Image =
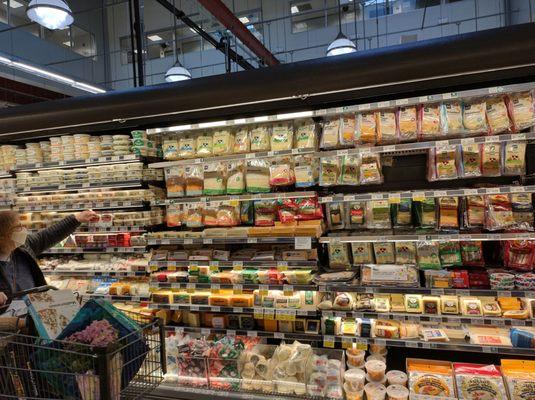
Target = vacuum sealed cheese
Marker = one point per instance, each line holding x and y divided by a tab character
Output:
242	141
499	212
522	110
215	179
514	158
370	169
453	117
367	128
174	181
408	124
236	177
386	127
331	133
448	213
170	149
491	159
194	180
443	163
471	157
430	117
305	135
497	115
281	137
329	171
223	141
257	176
430	378
187	147
306	171
349	170
260	138
362	253
479	382
338	255
520	378
205	145
347	130
474	117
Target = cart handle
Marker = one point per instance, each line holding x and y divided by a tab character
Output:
22	293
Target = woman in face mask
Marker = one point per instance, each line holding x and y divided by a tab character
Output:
19	250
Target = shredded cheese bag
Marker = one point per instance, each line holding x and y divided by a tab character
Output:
520	378
205	145
281	137
223	141
430	121
522	110
260	139
305	136
187	147
242	142
331	133
454	118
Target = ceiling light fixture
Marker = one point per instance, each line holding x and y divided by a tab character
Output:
294	9
177	72
340	45
52	14
244	20
30	69
13	4
154	38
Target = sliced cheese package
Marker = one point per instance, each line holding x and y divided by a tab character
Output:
281	137
349	170
471	156
205	145
522	110
514	158
366	129
430	122
329	171
260	138
236	177
443	163
330	138
491	159
479	382
305	135
306	171
431	378
498	115
520	378
223	142
187	147
408	124
215	179
386	127
474	117
257	176
347	130
453	118
242	141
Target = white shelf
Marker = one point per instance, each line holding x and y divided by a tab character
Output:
81	250
81	186
218	200
241	332
236	287
281	265
429	238
278	313
98	205
226	240
133	299
96	273
130	158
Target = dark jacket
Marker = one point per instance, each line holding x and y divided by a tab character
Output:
36	244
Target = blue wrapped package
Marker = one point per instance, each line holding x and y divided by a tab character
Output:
522	338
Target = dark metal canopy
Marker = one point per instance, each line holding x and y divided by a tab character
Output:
476	59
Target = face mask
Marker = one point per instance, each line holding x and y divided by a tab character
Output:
19	237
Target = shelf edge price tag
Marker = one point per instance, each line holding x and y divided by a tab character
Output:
258	313
278	335
269	313
303	243
205	331
328	341
252	333
263	289
347	342
231	332
238	289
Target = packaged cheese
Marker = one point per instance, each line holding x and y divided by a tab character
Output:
471	156
367	128
474	118
281	137
430	116
452	114
362	253
329	171
215	179
306	171
497	115
431	378
223	141
520	378
428	255
236	177
491	159
408	124
445	162
522	110
187	147
514	158
347	130
305	135
386	127
331	133
479	382
281	173
205	145
338	255
349	171
170	149
242	141
260	138
370	169
174	181
194	180
257	176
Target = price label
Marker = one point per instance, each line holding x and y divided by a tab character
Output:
378	196
238	289
258	313
250	155
208	241
231	332
288	290
437	292
213	268
423	99
252	240
347	342
191	286
205	331
86	185
344	152
503	293
238	309
194	308
263	290
394	198
326	199
517	322
451	95
380	342
269	313
426	345
383	104
252	333
328	341
365	107
470	192
412	344
188	241
492	139
462	292
487	349
498	322
418	196
237	263
401	102
278	335
179	329
303	243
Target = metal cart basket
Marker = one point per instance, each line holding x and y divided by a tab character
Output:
130	368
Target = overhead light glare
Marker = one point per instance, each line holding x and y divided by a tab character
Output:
244	20
294	9
212	124
240	121
13	4
88	88
261	119
178	128
43	72
52	14
301	114
155	38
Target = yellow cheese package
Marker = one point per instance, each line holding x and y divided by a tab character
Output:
408	124
474	117
386	127
329	171
366	131
514	158
194	178
205	145
471	156
305	135
519	376
281	173
331	133
431	378
338	255
522	110
347	130
187	147
223	141
370	169
260	138
306	171
281	136
430	122
453	118
174	181
498	115
242	141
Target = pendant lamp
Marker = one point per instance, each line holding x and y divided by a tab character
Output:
177	72
52	14
340	45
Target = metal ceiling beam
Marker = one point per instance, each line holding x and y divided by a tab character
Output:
205	35
229	21
21	93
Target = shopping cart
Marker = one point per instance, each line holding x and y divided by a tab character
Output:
37	368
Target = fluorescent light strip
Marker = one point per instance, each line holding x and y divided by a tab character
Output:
301	114
50	75
261	119
212	124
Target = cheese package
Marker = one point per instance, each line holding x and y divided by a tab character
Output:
378	214
384	253
499	212
385	275
414	303
356	214
257	176
347	130
170	149
430	378
479	382
306	171
444	163
386	127
349	171
215	179
520	378
430	122
471	156
431	305
522	110
194	178
338	255
281	173
367	128
260	136
331	133
242	141
187	147
370	169
453	116
362	253
471	306
449	304
498	115
205	145
491	159
475	208
448	213
474	117
223	141
329	171
514	158
236	177
405	253
408	124
281	137
305	135
174	181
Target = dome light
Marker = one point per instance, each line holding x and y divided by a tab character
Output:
177	73
341	45
52	14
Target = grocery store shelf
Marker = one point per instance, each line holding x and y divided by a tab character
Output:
423	194
226	240
429	238
282	265
81	250
79	186
134	299
496	321
217	200
96	273
130	158
349	109
4	174
341	287
237	287
233	157
6	203
452	345
111	229
99	205
241	332
168	392
278	313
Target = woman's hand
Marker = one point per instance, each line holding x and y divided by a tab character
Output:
85	216
3	298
